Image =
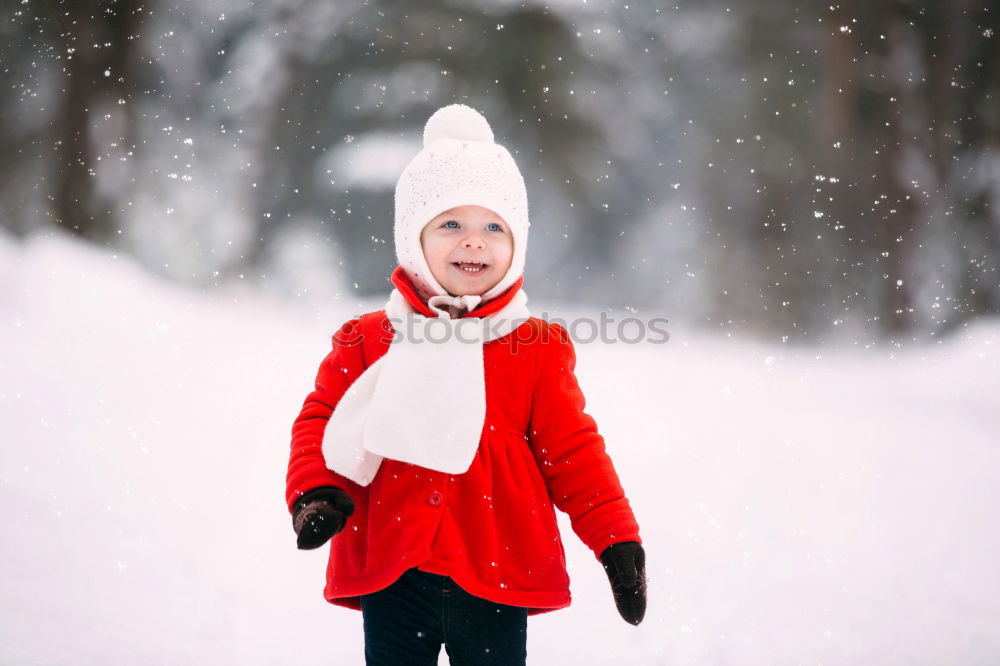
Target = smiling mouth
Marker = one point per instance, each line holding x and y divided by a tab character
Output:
471	267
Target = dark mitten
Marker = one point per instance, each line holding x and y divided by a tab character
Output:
320	514
625	564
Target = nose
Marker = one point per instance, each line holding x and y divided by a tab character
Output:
474	241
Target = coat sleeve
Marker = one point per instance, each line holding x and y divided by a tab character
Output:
306	466
570	452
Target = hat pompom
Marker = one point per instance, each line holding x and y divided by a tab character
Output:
457	121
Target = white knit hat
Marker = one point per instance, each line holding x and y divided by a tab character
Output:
459	165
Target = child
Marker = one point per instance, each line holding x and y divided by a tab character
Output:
444	429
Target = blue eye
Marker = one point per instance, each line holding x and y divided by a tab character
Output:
450	222
493	226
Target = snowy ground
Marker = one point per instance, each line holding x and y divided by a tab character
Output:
798	506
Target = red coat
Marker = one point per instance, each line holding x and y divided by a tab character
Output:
492	529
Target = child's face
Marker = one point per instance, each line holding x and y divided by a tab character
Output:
464	238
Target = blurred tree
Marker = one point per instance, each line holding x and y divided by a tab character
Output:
924	69
99	40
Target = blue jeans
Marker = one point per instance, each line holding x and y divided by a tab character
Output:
407	622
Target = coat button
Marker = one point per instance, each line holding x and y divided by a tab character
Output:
435	498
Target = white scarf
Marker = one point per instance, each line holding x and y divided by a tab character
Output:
424	401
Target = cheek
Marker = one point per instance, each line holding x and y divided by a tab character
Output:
435	253
505	252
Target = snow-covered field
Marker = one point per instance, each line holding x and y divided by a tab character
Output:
798	506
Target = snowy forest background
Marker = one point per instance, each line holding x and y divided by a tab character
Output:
195	195
795	171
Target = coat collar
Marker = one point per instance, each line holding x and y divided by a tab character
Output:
405	286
